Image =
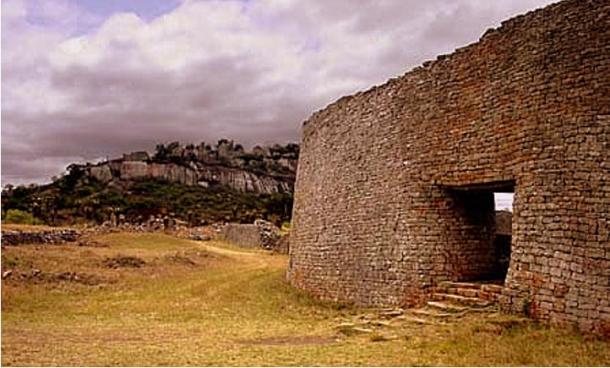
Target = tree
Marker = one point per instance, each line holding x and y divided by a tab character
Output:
161	153
14	216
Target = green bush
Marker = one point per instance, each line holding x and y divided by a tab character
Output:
142	198
14	216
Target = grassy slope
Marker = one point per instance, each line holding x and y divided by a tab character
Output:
196	304
79	201
22	227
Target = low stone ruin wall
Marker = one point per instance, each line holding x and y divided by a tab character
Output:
283	244
260	234
244	235
15	237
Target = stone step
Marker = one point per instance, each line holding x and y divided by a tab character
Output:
488	292
461	300
414	319
466	292
451	285
469	293
431	313
459	285
446	307
492	288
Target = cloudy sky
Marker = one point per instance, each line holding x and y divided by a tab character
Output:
87	79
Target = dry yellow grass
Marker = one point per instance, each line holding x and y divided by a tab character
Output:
195	303
22	227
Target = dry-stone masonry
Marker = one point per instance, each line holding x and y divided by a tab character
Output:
261	234
394	191
243	235
53	236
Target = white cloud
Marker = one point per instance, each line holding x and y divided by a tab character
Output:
251	71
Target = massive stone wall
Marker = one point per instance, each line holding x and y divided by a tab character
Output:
394	190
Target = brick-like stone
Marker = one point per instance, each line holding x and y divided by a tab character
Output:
393	191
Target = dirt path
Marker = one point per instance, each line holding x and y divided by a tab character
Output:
233	307
256	259
229	252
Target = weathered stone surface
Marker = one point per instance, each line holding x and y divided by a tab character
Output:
240	180
261	234
244	235
269	234
136	156
273	172
15	237
101	173
387	204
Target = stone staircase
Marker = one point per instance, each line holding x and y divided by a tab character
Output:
455	299
459	296
469	293
449	302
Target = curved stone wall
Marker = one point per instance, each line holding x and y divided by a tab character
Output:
393	187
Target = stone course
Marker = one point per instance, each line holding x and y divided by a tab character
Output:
394	192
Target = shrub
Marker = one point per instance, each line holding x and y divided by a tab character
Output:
14	216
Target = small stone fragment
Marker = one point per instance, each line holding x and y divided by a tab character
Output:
393	313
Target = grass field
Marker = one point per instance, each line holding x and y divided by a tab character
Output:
22	227
150	299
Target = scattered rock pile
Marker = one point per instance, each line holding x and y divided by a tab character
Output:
167	223
37	276
54	236
392	323
269	234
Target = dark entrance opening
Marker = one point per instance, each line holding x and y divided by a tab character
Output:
502	239
481	235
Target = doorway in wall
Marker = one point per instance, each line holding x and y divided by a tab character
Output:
480	234
503	230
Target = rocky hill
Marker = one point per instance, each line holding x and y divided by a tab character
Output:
197	184
263	170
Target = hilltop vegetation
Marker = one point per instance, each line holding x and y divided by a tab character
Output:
197	184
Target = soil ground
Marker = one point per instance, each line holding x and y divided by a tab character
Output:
151	299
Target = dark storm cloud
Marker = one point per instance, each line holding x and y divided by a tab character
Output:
251	72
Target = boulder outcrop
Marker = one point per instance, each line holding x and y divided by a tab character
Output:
264	170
